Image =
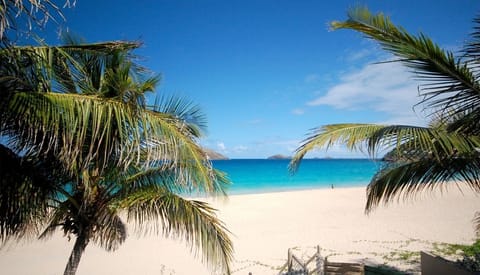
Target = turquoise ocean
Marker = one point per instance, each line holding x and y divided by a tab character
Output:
251	176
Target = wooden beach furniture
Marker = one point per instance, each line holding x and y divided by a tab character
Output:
318	265
334	268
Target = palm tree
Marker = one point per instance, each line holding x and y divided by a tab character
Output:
83	146
150	199
32	13
422	157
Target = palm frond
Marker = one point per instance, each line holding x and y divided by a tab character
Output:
187	113
467	123
28	188
354	136
188	154
108	126
20	71
63	214
423	141
67	69
410	178
31	12
191	220
110	231
184	178
450	83
408	141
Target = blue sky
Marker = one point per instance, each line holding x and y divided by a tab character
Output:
266	72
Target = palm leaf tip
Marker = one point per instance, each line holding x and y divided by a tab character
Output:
449	82
356	14
193	221
210	235
409	178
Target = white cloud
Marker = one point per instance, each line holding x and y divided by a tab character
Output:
385	87
221	146
311	78
360	54
237	149
298	111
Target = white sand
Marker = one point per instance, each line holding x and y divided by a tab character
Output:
265	226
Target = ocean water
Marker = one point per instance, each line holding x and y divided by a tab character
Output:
261	175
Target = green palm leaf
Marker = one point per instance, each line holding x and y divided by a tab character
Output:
108	126
29	186
410	178
175	216
434	156
450	83
353	135
29	12
183	178
187	113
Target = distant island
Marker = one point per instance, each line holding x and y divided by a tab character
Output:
214	155
279	157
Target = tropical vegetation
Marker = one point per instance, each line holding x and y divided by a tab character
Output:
81	150
15	15
420	158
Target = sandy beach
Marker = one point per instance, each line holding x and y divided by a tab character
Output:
265	226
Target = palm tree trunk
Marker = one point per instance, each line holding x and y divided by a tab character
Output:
80	244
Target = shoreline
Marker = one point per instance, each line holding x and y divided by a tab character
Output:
274	190
264	226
